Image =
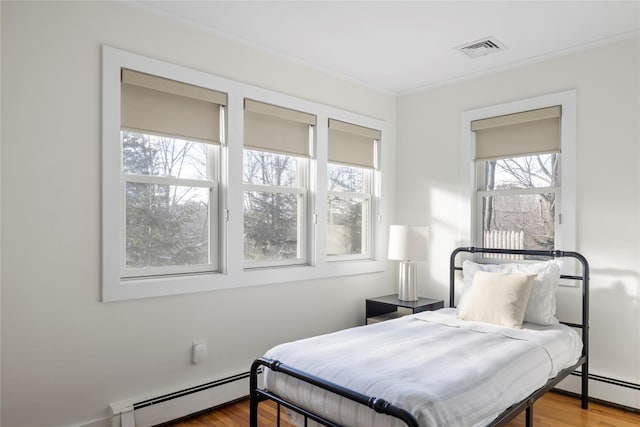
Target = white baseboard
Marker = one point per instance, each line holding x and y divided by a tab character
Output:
605	392
182	406
156	411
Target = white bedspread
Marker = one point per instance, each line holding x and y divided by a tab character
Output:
444	371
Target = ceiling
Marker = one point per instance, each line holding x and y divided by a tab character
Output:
400	46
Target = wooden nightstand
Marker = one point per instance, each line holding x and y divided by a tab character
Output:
390	307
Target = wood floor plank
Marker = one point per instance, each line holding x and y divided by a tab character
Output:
552	410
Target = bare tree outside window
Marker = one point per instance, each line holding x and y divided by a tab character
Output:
272	205
347	210
345	178
519	195
167	224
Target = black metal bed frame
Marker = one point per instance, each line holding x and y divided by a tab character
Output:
258	394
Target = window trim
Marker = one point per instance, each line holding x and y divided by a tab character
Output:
566	207
232	274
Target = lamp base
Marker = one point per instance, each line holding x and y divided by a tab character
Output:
408	283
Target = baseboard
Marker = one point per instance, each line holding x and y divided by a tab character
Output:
204	411
598	401
606	390
166	408
169	407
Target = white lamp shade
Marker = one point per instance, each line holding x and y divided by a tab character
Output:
408	242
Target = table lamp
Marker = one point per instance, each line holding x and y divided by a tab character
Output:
408	244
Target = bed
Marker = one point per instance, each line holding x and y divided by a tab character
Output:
442	368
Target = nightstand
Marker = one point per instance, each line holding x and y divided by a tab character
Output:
390	307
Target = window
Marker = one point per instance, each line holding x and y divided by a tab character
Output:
518	179
349	211
205	188
170	199
170	133
517	201
275	198
350	173
276	176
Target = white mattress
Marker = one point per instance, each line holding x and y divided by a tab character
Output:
444	371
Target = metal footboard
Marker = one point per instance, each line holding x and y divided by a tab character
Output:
257	395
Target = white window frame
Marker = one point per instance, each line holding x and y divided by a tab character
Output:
302	193
480	183
212	185
565	238
367	198
231	272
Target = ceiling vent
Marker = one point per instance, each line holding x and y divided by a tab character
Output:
481	47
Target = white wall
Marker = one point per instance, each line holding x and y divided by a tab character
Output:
65	355
607	82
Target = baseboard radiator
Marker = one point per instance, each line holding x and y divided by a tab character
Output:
171	406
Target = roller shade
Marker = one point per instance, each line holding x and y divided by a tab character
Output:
272	128
519	134
351	144
155	105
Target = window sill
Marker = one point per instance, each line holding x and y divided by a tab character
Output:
116	289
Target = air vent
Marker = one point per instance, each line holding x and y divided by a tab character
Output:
481	47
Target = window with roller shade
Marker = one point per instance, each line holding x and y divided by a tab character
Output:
210	183
170	137
352	160
277	149
518	185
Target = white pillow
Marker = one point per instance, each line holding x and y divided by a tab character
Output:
499	298
541	309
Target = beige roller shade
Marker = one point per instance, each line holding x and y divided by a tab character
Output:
352	144
271	128
519	134
155	105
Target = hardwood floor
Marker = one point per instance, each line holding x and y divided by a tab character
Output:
552	410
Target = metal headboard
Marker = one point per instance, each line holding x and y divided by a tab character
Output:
584	277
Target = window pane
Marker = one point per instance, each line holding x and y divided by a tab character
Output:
519	221
263	168
345	178
538	171
270	226
344	225
166	225
163	156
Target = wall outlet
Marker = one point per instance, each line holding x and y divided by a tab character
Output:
198	352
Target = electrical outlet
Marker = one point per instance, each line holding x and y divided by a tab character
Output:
198	352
